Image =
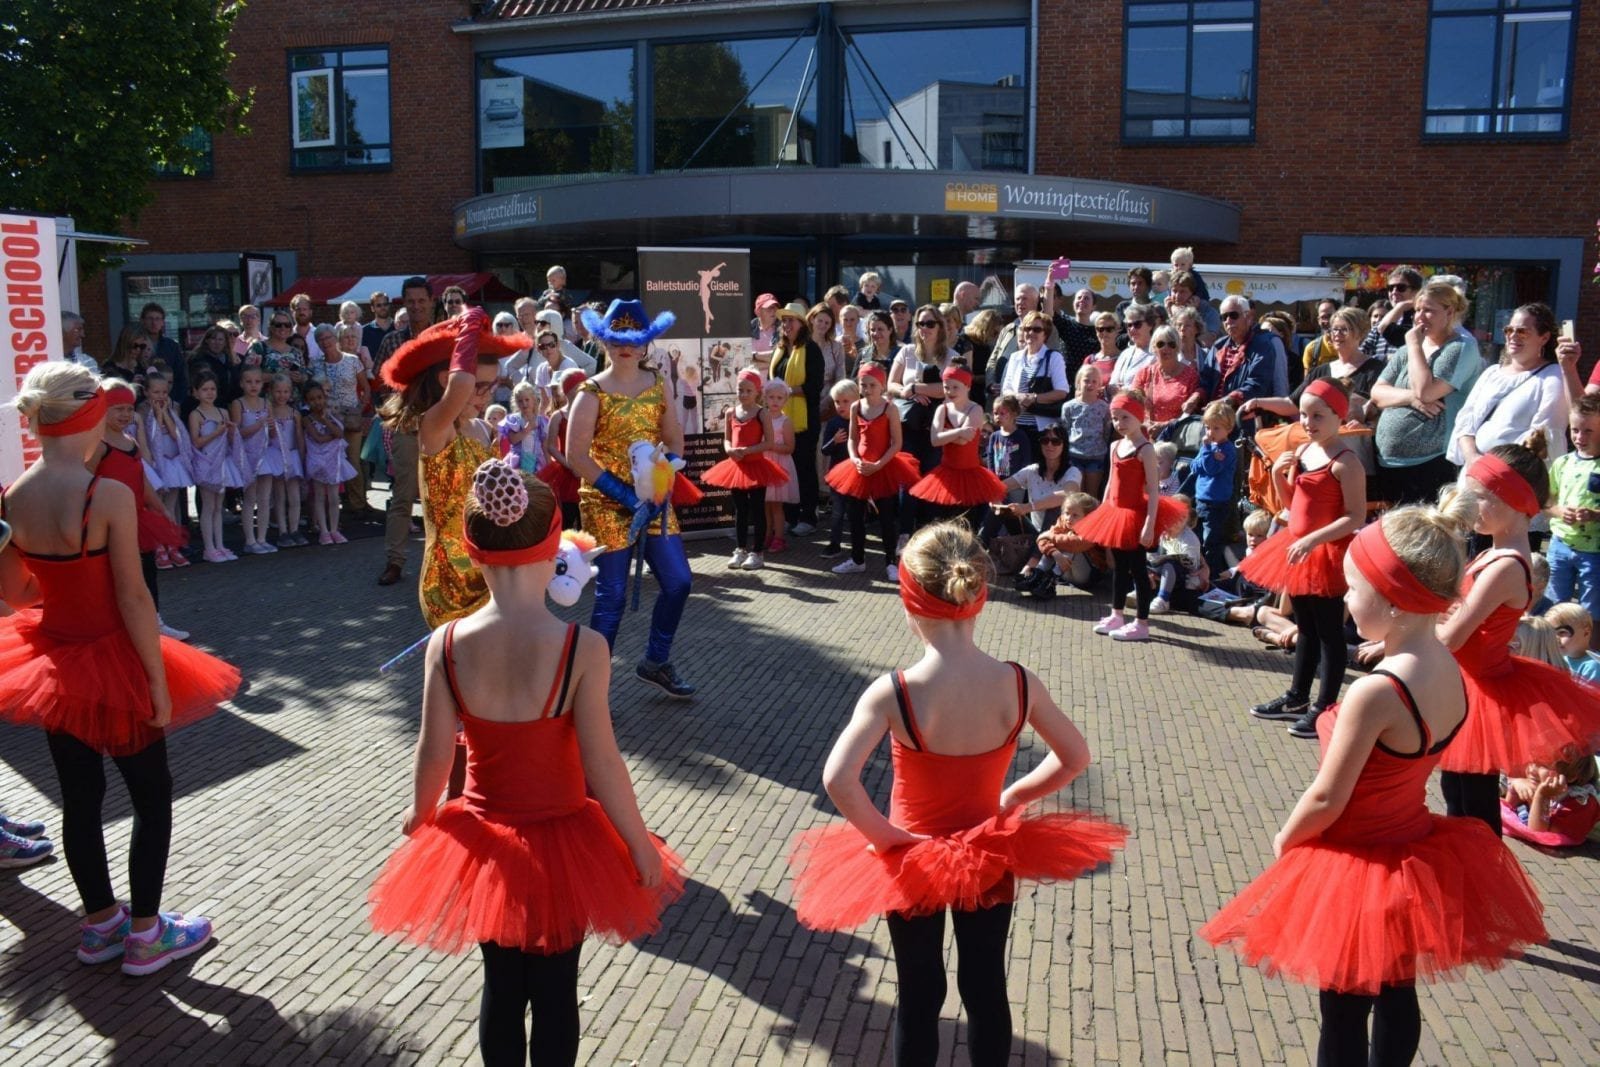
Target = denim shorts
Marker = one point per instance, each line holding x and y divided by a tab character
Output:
1088	465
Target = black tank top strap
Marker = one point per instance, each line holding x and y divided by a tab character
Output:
902	697
450	666
83	526
1022	701
1410	702
557	700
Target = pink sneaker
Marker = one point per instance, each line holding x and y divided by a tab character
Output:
339	538
215	556
1110	624
1137	630
325	538
178	558
777	544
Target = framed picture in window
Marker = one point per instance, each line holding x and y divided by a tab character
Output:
311	106
258	272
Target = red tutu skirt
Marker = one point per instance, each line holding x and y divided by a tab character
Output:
158	531
540	886
685	494
1530	712
1353	918
96	689
1321	573
752	472
561	481
900	471
963	487
1113	527
839	883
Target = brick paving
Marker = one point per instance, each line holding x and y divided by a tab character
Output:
290	799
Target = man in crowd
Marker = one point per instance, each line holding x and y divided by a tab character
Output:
153	320
586	340
72	342
900	312
1320	350
418	301
373	333
966	298
1240	366
1388	337
764	329
1139	282
300	307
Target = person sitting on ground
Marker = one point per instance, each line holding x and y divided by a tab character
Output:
1044	486
1064	556
1573	628
1178	567
1556	806
1249	598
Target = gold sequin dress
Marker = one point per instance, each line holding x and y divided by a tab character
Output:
452	585
622	421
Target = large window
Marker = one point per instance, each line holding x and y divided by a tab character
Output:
192	300
339	109
941	99
1499	68
557	113
750	103
1189	71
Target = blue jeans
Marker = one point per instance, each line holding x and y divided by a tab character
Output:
1574	576
671	567
1214	519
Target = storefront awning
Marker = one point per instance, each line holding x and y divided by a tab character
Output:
336	289
1261	285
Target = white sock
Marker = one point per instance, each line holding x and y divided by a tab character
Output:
110	924
146	935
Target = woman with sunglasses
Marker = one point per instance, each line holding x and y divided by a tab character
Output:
249	329
1387	338
1167	382
1140	325
1105	332
131	358
549	362
273	354
915	385
1524	394
214	355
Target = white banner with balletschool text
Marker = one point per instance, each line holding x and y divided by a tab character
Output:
30	308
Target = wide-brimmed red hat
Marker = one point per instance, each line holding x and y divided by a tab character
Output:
433	346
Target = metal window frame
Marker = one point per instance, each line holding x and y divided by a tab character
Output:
339	144
1187	117
1494	113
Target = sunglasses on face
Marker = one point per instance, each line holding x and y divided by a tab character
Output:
925	324
545	346
140	346
1105	329
1134	324
1165	344
1399	287
282	325
1517	331
1050	441
1229	316
1033	329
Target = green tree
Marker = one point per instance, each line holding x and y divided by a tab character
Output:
696	87
94	96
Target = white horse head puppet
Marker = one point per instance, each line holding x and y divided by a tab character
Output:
574	567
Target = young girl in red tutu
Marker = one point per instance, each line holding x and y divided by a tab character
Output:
523	864
875	472
1371	892
748	470
89	667
1131	518
1522	711
960	484
954	839
555	473
1327	490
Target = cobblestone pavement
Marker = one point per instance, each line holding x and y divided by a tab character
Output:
290	799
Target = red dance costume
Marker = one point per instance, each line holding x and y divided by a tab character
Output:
751	472
1119	519
156	530
523	857
872	441
1389	893
960	480
974	856
558	476
1318	500
1521	710
70	666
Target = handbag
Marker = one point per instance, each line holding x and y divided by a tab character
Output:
1009	552
1041	383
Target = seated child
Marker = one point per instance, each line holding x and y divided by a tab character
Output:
836	449
1573	628
494	415
1166	465
1249	598
1553	806
1178	567
1065	555
1539	567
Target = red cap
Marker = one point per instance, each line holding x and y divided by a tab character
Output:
766	300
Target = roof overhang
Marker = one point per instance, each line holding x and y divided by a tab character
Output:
632	210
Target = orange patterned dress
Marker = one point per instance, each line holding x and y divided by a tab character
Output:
452	585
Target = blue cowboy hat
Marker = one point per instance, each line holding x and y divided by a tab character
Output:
624	323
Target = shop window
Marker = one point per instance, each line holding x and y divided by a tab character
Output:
936	99
747	103
192	300
197	145
1499	68
563	113
339	109
1189	71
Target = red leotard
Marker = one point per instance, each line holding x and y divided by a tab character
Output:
1119	519
155	529
1318	500
752	472
558	476
872	441
960	479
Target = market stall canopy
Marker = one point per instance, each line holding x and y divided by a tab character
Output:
1262	285
483	287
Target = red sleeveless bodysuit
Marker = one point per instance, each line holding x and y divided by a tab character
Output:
1318	500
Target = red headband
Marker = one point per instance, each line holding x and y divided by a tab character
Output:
873	370
119	394
1390	576
1330	395
925	605
1124	402
1496	475
749	375
516	557
572	381
958	374
87	417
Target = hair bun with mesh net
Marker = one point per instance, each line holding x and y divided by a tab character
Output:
500	492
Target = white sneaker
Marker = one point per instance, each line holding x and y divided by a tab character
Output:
849	566
754	562
892	573
1132	600
801	529
171	631
736	561
1160	606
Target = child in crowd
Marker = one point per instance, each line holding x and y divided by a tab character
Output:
1044	486
494	415
1183	259
523	433
747	471
1065	556
1257	527
1553	806
282	462
555	473
1326	486
1087	417
1166	467
1575	512
1539	563
775	394
1129	521
1370	892
874	473
326	465
835	440
1008	449
956	837
253	415
1573	629
549	829
1178	566
960	485
1216	470
165	444
218	458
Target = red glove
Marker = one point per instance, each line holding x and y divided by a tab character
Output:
465	356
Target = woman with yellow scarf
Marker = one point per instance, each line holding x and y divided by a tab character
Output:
797	362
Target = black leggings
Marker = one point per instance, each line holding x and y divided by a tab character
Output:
973	516
888	527
82	773
750	508
980	979
1130	572
1396	1028
147	565
512	980
1320	649
1476	796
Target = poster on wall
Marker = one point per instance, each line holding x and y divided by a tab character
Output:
708	289
30	305
258	276
500	112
